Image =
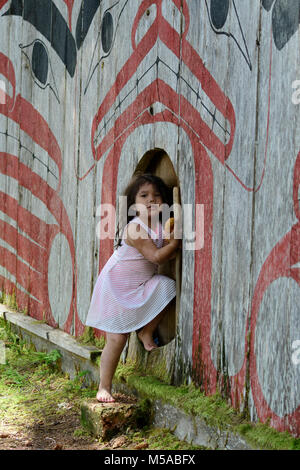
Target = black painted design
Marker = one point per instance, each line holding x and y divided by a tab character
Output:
107	32
106	35
179	78
16	8
267	4
41	69
31	153
285	21
219	12
40	62
87	12
47	19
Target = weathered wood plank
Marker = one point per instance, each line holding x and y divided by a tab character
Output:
209	84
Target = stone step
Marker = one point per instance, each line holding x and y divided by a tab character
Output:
104	420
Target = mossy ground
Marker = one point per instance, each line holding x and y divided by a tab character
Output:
38	399
88	338
40	406
212	409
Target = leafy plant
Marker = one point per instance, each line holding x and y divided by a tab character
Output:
51	358
79	383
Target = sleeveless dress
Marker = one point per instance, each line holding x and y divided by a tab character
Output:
128	292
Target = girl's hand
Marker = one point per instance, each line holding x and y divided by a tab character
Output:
175	242
145	245
171	227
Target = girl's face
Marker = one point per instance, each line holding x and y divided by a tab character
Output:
149	200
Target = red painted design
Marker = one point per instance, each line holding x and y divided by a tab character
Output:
279	264
34	237
32	272
161	29
2	3
179	111
70	4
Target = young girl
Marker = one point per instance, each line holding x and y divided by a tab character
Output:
129	295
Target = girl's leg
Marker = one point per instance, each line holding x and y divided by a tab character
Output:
146	333
110	356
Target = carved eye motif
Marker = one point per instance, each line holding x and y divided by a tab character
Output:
105	42
39	61
219	12
107	32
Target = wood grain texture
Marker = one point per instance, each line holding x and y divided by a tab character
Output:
209	91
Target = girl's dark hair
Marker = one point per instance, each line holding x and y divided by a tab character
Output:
133	188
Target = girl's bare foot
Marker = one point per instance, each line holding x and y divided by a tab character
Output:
147	341
103	396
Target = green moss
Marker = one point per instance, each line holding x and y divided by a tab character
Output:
160	368
34	387
81	432
125	371
9	300
31	383
158	439
32	392
144	412
89	339
163	439
212	409
263	436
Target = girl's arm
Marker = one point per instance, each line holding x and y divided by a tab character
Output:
143	243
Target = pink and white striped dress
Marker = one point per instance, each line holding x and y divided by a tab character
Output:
129	293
